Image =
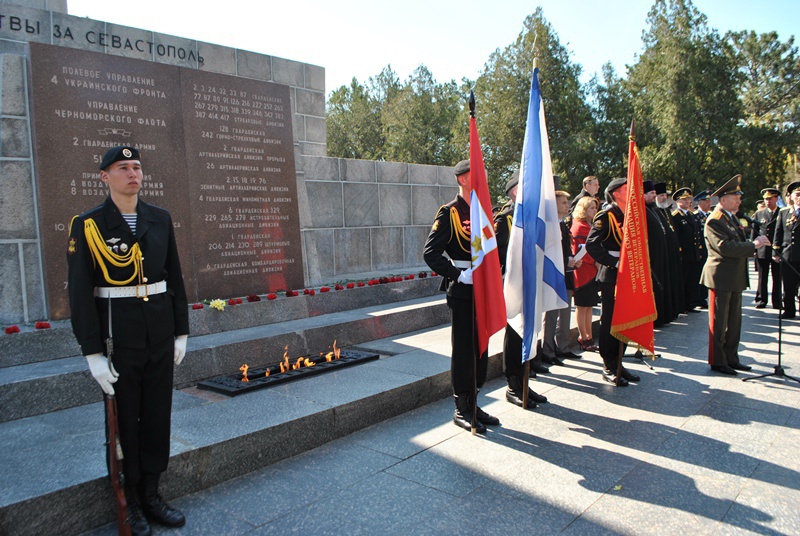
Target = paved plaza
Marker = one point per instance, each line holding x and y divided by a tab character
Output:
686	451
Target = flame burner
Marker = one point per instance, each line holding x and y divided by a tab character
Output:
233	385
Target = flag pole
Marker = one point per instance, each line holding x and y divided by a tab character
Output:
622	344
475	345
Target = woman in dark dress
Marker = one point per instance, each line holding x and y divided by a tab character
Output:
586	291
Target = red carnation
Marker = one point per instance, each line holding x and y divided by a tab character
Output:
360	283
311	292
324	289
12	329
307	292
196	306
383	280
271	296
291	293
42	325
232	301
351	285
409	277
422	275
434	274
339	287
253	298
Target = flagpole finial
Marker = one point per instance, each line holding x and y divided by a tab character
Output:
471	103
632	134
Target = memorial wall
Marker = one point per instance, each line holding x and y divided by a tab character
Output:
232	143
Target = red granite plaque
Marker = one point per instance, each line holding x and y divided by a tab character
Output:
242	184
216	152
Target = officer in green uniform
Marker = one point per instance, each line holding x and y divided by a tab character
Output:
512	343
125	284
725	275
450	234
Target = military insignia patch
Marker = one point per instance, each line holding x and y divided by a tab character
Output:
127	152
435	226
598	223
73	246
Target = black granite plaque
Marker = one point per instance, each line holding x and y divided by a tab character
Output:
216	152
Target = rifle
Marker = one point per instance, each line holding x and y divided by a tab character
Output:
114	459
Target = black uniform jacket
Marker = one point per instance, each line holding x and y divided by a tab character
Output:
503	221
449	235
136	323
767	221
690	236
606	237
786	242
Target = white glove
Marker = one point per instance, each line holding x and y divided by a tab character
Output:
465	276
103	372
180	348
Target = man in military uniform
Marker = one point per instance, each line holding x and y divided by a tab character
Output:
512	343
767	219
603	244
450	234
690	236
726	276
657	246
703	200
786	249
125	285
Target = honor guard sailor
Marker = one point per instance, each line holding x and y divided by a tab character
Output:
130	316
450	234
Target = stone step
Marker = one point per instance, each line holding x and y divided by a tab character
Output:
53	467
57	384
36	345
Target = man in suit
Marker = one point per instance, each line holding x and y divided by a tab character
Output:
591	188
767	219
786	249
726	276
126	285
450	234
703	200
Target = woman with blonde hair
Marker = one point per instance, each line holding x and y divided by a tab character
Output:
586	289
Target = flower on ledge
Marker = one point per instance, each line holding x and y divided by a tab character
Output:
217	304
42	325
197	306
12	329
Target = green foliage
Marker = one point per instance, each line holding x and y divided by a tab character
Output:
705	108
502	92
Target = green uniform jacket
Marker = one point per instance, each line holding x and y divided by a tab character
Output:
728	251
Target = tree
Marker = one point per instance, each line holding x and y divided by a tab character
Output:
612	113
353	123
685	99
769	84
502	91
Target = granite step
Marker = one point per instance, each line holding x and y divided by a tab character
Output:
67	382
52	465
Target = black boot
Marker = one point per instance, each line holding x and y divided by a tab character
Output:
463	415
154	507
136	520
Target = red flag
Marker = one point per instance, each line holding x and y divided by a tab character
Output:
635	307
487	280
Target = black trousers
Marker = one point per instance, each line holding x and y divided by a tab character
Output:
765	266
791	281
512	358
464	339
609	345
691	283
144	406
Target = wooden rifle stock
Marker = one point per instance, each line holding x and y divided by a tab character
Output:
114	458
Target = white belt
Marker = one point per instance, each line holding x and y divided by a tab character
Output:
614	253
135	291
463	265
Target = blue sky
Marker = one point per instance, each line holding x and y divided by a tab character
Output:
453	39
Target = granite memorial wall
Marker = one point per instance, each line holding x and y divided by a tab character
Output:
233	144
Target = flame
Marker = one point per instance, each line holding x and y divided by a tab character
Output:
336	351
298	364
329	356
309	363
266	374
285	363
244	368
